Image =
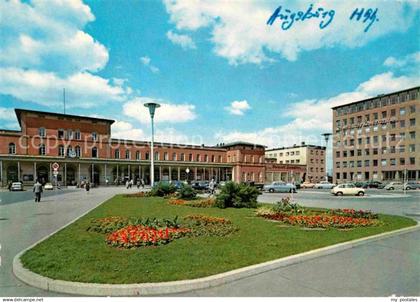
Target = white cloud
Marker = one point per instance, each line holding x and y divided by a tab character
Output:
168	112
238	107
49	35
410	60
82	89
7	114
310	118
146	61
125	130
239	32
184	41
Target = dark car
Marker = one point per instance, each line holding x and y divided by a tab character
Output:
375	184
361	184
200	185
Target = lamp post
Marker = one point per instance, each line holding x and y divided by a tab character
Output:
152	107
326	137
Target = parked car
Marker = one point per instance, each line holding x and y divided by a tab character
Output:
324	185
361	184
411	185
280	186
375	184
394	185
347	189
307	185
200	185
16	186
48	186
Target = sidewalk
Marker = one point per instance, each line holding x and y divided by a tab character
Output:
24	223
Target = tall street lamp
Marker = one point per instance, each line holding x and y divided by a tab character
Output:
326	137
152	107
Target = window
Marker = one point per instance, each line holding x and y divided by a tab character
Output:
298	161
117	154
220	158
383	114
337	164
412	134
297	152
393	124
383	162
359	152
147	156
402	136
402	110
367	140
42	150
156	155
12	148
375	162
392	149
174	156
412	160
206	158
393	162
412	108
393	113
94	136
165	156
41	132
402	148
127	154
412	122
402	123
412	148
367	151
375	128
375	116
402	161
351	153
384	126
60	133
359	163
77	134
337	154
213	158
182	157
375	151
138	155
69	134
78	151
69	151
190	157
393	137
367	163
351	120
95	152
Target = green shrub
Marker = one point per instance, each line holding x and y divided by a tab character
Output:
286	206
234	195
163	189
186	192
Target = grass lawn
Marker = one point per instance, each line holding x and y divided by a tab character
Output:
75	254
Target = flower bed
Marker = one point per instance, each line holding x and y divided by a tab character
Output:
326	221
201	203
354	213
201	225
137	194
139	235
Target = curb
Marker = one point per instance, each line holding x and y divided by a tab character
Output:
172	287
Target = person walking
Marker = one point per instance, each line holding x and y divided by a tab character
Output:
142	183
87	186
37	189
138	183
131	183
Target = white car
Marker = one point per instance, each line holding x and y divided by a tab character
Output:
16	186
48	186
395	185
347	189
324	185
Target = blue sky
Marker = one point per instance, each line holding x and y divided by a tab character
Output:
220	71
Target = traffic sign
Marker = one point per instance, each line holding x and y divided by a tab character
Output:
55	166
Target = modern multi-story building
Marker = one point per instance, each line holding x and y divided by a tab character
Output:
310	157
84	150
378	138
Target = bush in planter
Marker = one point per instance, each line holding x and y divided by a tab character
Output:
163	189
234	195
186	192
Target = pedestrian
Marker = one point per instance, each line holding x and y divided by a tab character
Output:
37	189
138	183
211	186
106	182
127	184
87	186
131	183
142	183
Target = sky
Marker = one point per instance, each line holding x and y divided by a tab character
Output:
220	72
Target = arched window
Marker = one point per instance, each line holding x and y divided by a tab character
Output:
12	148
182	157
138	156
69	151
61	150
190	157
206	158
117	154
147	156
127	154
42	150
77	151
156	155
174	156
94	152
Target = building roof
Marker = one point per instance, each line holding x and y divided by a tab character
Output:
19	112
378	96
239	143
297	146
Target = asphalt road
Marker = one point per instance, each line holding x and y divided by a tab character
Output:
7	197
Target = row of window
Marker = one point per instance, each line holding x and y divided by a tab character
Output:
291	161
375	162
374	128
377	103
292	153
67	134
390	137
316	169
375	151
375	116
245	158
